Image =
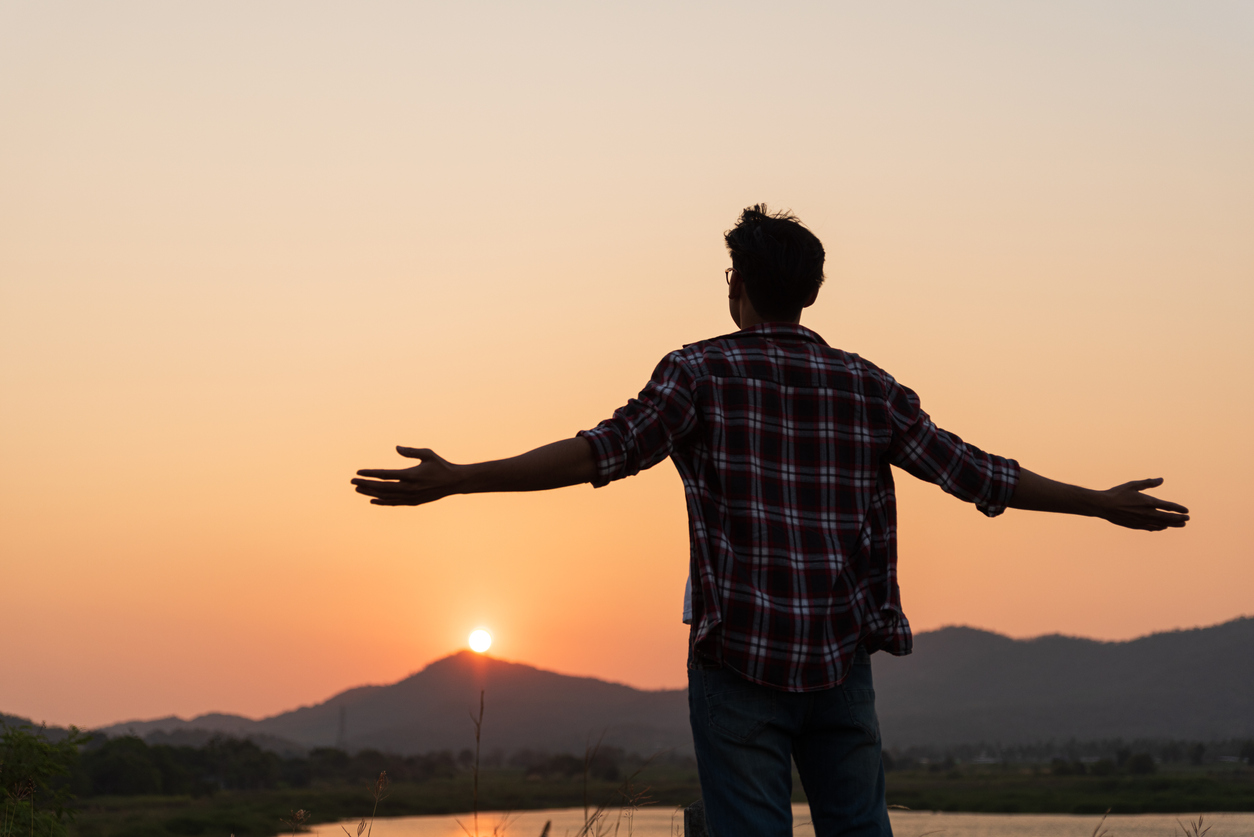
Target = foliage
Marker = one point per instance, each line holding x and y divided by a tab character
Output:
260	813
1138	764
229	786
1023	789
34	781
128	766
1165	751
265	812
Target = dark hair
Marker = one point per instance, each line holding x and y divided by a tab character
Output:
780	261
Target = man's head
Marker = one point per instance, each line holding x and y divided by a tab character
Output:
779	261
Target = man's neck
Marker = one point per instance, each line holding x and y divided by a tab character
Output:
750	318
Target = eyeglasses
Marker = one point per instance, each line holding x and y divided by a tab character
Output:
727	275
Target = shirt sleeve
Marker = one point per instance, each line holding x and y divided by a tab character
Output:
925	451
647	428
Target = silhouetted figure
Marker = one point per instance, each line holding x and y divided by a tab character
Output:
785	447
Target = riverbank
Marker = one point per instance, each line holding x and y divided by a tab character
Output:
991	789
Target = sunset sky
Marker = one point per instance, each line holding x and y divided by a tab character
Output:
247	248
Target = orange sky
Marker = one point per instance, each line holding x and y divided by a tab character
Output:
246	249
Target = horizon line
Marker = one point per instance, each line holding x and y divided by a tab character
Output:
487	655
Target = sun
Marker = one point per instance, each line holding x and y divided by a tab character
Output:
480	640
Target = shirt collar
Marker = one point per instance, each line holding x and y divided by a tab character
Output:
785	331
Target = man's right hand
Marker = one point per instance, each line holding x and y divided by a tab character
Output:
1128	505
1124	505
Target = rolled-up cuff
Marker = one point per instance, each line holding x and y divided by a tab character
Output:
608	458
1005	481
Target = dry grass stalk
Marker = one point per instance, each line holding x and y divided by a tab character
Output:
297	821
625	790
589	753
379	792
1099	831
478	722
1194	829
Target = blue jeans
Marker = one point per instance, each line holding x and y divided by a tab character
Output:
747	737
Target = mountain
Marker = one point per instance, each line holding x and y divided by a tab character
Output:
525	708
960	686
966	686
17	722
215	722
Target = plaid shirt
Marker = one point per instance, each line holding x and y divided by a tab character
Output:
784	446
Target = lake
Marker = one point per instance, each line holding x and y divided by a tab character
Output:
667	822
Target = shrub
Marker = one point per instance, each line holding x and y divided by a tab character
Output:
34	781
1103	767
1062	767
122	767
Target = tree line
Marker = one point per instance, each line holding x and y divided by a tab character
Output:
1074	757
128	765
59	767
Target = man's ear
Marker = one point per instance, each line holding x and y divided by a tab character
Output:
812	298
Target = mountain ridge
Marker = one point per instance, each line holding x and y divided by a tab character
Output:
962	685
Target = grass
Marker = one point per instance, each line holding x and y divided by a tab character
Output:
1024	791
964	788
261	813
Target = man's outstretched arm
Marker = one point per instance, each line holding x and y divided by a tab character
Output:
1124	505
568	462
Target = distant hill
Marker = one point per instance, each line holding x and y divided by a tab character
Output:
961	686
215	722
51	733
966	686
525	708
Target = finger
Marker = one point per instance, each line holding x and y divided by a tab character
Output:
1152	521
1152	526
1166	506
382	473
401	501
379	489
1141	485
1161	508
1169	520
415	453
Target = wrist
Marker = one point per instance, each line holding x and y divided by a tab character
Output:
465	479
1096	503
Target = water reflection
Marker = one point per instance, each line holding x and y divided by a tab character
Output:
655	821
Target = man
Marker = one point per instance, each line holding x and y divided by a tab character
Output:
784	446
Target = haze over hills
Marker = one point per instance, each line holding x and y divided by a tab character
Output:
526	708
961	686
966	686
